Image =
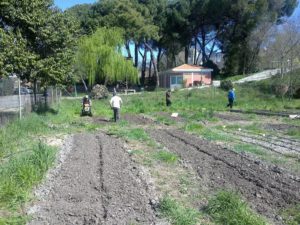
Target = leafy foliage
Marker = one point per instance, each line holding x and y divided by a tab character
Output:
36	41
99	57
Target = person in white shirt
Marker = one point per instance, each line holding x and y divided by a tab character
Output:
116	103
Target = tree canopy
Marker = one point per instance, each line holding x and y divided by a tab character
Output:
99	58
38	41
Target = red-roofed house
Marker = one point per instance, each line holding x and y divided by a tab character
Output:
185	76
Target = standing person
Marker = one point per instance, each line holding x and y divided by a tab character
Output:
231	97
168	98
115	104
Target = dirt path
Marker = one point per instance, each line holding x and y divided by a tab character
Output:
97	184
268	189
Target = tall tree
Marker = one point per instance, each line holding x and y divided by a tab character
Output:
45	34
99	58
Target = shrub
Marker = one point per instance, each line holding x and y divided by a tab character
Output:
281	90
99	92
6	87
226	85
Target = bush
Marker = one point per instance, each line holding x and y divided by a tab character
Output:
210	64
226	85
99	92
281	90
6	87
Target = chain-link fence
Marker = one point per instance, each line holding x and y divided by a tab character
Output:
17	100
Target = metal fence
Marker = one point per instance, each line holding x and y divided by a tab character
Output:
15	104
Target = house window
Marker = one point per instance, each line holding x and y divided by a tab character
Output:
176	80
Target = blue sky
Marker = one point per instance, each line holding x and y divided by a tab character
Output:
64	4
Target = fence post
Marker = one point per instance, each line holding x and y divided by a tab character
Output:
20	101
56	101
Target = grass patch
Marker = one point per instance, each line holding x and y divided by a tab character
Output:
193	127
137	134
16	220
249	148
165	156
291	216
294	132
213	135
20	174
177	213
165	120
227	208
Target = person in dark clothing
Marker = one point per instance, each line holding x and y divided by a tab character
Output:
231	98
168	98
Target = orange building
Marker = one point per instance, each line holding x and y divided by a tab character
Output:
185	76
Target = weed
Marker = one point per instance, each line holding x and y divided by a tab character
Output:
165	120
193	127
291	216
227	208
20	174
249	148
134	134
12	220
294	132
212	135
165	156
177	213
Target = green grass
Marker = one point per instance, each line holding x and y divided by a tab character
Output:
19	140
193	127
249	148
294	132
177	213
291	216
165	120
12	220
227	208
212	135
20	174
137	134
165	156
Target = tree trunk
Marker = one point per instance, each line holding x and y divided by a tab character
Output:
186	54
136	55
144	61
195	52
84	84
150	69
128	49
158	58
204	56
202	47
35	90
154	64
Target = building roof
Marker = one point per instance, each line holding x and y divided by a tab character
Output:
190	68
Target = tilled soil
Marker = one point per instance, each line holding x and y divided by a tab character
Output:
268	189
274	143
97	184
232	117
281	127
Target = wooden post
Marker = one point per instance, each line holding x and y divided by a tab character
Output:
20	101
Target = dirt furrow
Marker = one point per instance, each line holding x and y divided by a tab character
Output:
75	197
267	143
97	184
267	190
126	197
